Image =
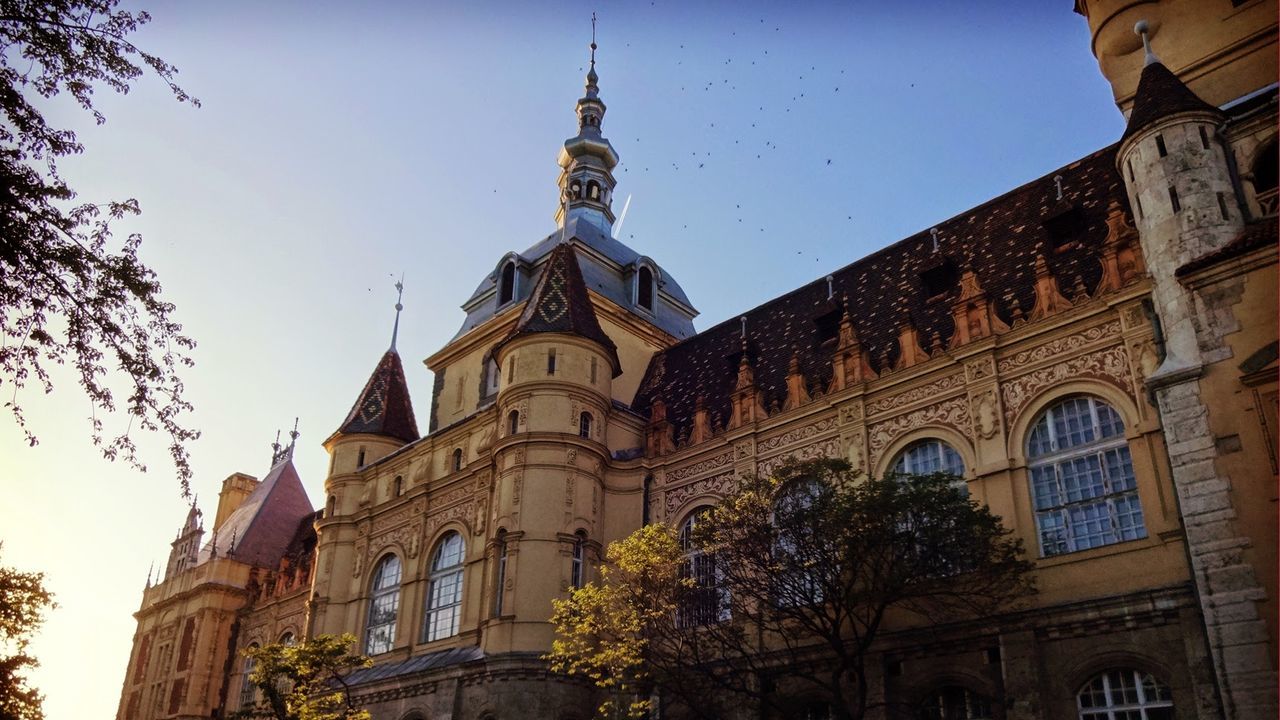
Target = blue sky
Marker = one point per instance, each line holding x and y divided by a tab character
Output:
342	144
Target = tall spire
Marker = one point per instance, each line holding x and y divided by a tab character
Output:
587	159
395	329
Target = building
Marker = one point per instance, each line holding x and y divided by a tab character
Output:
1094	351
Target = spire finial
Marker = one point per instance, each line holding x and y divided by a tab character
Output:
275	449
293	437
395	329
149	571
1142	28
934	233
593	39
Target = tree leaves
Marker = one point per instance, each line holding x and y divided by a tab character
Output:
23	601
70	292
306	681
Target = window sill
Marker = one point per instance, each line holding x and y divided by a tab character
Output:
1119	548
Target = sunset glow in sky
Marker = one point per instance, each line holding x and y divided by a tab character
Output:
339	145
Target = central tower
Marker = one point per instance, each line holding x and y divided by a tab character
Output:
587	160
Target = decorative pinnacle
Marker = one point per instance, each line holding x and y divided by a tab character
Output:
293	436
1142	28
934	232
395	329
275	449
743	320
592	78
1057	183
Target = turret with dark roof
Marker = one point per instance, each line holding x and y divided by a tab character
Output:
559	303
1161	94
383	407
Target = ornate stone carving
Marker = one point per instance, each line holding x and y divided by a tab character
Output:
953	413
457	512
571	456
698	468
985	414
742	449
1060	346
388	520
1111	365
922	392
791	437
850	413
719	485
455	495
853	453
1144	357
357	566
568	490
825	448
979	369
524	412
517	481
1134	317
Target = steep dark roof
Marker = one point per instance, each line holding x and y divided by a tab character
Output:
998	241
420	663
266	523
559	304
1160	93
1252	237
383	407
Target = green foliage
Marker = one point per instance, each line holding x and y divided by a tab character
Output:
23	600
70	293
809	567
306	681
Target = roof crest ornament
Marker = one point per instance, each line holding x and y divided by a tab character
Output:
934	233
275	449
1142	28
395	329
1057	183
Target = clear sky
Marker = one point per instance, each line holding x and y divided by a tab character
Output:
340	144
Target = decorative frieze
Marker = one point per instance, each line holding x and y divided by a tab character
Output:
952	413
698	468
822	449
791	437
1110	365
922	392
457	512
718	485
979	369
1058	347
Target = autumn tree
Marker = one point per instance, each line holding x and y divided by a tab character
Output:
305	680
781	591
71	292
23	601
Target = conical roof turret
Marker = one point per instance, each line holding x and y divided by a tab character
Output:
1160	93
384	407
559	303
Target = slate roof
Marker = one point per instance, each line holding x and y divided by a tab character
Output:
421	663
266	522
559	303
1160	93
383	407
1253	236
999	240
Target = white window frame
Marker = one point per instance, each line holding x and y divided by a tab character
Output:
707	576
1116	711
443	613
384	594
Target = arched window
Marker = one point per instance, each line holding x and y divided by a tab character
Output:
248	691
706	602
457	459
955	703
397	486
287	639
444	591
1082	482
507	286
283	683
360	458
1125	694
578	571
929	456
500	575
513	422
331	506
384	604
593	190
798	583
584	425
1265	180
644	288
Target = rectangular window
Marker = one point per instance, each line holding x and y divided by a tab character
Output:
551	361
1204	138
1160	146
593	363
1173	199
1138	203
511	368
1222	205
1129	164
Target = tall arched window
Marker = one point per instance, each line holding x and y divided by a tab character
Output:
288	639
955	703
248	691
384	604
578	571
397	486
1082	483
644	288
457	459
798	584
1125	694
500	575
507	286
513	422
584	425
929	456
444	591
705	603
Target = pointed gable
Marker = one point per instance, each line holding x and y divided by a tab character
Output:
559	304
383	407
261	529
1160	94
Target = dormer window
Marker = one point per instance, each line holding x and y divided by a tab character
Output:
940	279
507	286
644	288
1066	228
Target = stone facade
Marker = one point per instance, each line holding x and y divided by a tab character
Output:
576	404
